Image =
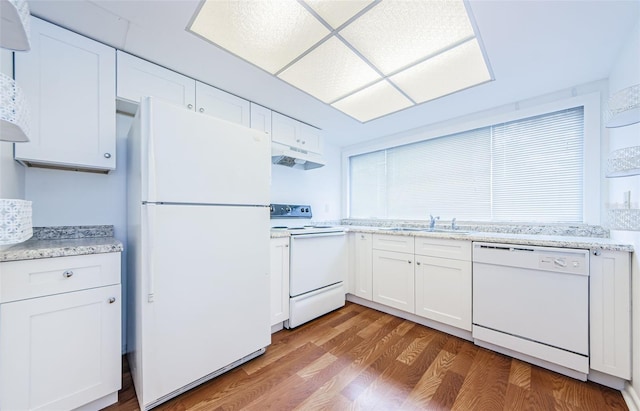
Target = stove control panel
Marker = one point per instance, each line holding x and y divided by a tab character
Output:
290	211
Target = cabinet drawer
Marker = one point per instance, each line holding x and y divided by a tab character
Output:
24	279
398	243
444	248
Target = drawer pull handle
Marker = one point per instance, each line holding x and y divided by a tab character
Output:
112	300
67	274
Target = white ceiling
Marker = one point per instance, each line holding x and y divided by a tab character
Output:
534	47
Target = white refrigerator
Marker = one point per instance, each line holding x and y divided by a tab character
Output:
198	248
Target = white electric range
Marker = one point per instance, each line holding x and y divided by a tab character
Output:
317	263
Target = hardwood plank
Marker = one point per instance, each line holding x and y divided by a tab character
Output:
356	358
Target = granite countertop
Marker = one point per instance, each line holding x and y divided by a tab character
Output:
510	238
48	242
280	234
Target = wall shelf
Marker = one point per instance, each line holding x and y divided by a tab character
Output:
14	32
624	162
627	219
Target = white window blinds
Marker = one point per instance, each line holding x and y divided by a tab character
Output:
527	170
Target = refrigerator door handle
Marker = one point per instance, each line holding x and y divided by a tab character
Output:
150	254
152	192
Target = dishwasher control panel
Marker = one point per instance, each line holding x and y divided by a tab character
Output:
570	263
560	260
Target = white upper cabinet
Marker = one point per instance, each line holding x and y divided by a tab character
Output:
138	78
296	134
218	103
69	82
261	118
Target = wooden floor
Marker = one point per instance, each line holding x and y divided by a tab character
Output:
356	358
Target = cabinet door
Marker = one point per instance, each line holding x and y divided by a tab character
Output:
294	133
138	78
218	103
362	260
69	82
261	118
279	280
443	290
610	313
61	351
393	280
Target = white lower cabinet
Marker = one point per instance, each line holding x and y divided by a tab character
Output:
393	280
443	290
60	350
443	281
279	280
610	313
362	266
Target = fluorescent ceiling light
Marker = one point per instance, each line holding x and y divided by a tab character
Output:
330	71
395	34
267	33
373	102
365	58
337	12
446	73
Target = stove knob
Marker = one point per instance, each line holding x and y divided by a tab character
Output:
271	209
287	209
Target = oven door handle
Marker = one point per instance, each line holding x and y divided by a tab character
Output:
301	236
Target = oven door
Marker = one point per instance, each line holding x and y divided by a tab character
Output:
316	261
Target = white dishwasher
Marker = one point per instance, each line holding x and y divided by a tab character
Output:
532	303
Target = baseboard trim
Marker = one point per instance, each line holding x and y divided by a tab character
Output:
445	328
631	397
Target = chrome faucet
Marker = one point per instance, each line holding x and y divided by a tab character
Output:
432	221
453	224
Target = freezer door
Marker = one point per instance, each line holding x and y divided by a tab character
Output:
205	299
190	157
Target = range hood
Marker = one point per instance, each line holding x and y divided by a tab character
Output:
294	157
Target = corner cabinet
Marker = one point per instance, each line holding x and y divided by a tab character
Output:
279	280
443	281
60	346
69	82
610	312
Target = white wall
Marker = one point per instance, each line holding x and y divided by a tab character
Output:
71	198
625	73
11	173
319	187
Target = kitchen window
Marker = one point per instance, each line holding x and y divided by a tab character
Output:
525	170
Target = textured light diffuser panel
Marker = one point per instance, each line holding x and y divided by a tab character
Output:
337	12
267	33
426	48
373	102
397	33
446	73
330	71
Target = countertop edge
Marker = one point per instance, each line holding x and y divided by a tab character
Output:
38	249
524	239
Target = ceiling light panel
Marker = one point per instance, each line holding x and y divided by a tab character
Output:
397	33
330	71
373	102
451	71
267	33
337	12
